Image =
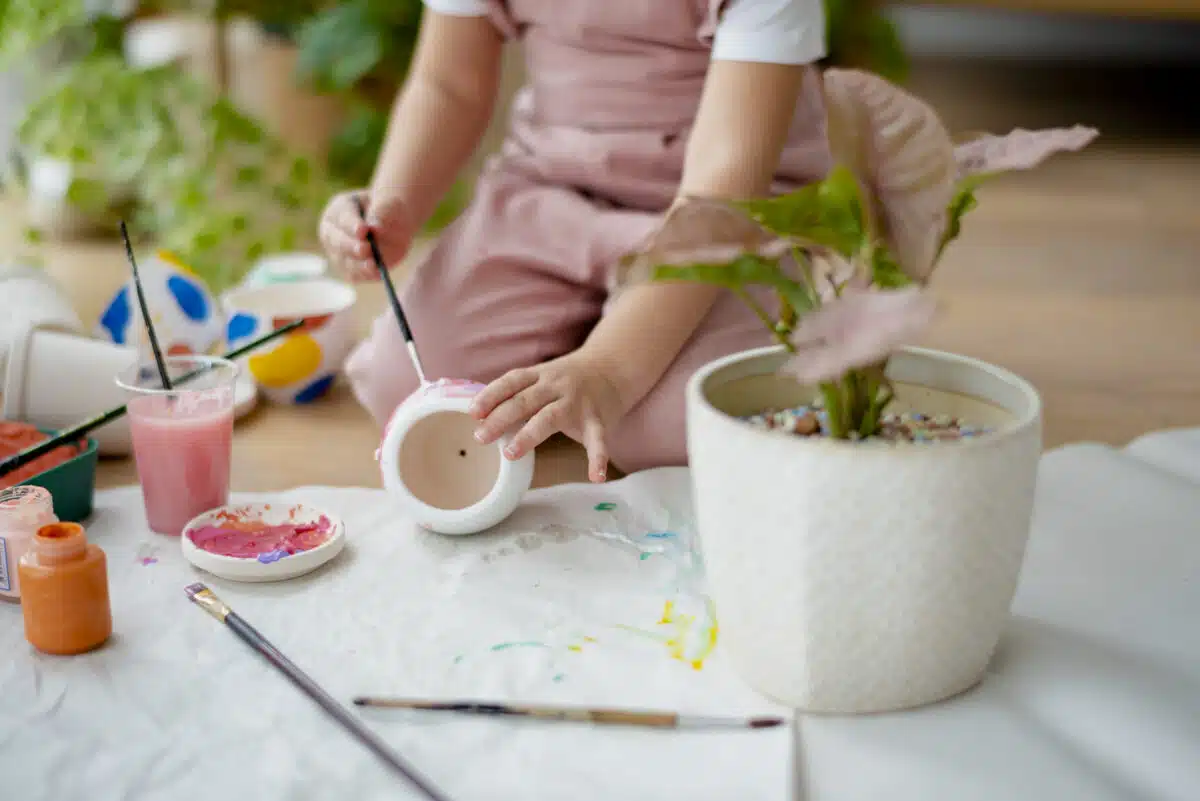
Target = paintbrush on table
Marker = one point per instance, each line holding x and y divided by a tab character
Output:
77	432
393	298
615	717
207	600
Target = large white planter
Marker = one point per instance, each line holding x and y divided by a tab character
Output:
862	577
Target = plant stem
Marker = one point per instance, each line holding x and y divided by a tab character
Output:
766	319
834	409
221	47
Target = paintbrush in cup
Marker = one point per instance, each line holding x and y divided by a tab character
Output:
614	717
393	298
80	430
141	296
207	600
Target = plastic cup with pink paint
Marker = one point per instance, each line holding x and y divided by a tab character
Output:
182	438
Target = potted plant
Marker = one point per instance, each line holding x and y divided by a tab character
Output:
863	507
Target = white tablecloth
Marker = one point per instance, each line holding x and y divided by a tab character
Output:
1095	694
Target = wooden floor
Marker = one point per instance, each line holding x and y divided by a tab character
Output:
1084	277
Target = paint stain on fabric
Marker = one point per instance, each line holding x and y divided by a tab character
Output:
504	646
645	555
558	678
146	561
660	535
691	639
607	506
296	359
458	659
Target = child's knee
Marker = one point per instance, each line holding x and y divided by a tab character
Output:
653	434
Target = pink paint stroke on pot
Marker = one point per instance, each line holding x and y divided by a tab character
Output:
241	538
445	387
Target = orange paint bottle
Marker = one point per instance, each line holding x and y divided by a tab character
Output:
64	591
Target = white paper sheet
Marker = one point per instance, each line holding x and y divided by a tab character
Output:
1094	694
563	604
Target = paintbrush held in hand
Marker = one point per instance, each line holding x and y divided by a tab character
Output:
615	717
393	298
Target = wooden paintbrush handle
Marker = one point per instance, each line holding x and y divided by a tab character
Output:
621	718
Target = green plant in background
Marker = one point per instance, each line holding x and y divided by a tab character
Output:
849	257
201	177
361	50
860	35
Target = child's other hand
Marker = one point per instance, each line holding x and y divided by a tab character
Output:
344	234
571	394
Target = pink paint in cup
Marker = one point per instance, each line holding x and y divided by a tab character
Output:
182	438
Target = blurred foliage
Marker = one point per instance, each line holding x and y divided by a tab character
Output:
860	35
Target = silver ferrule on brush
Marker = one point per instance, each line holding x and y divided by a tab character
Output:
416	360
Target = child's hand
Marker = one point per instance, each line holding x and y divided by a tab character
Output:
571	394
344	234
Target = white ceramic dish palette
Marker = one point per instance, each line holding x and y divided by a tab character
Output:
274	563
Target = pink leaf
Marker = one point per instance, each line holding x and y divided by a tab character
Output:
700	231
857	330
903	156
1019	149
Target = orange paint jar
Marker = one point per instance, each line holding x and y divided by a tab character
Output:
64	591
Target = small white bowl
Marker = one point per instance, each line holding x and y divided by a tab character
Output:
236	568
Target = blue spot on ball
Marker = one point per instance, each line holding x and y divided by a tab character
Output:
116	317
190	298
314	390
240	326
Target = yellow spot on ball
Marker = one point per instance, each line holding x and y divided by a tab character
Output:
173	260
296	359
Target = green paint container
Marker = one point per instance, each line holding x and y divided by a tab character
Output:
72	483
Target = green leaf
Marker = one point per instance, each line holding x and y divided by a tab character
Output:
964	200
340	46
828	213
248	175
742	272
885	272
88	195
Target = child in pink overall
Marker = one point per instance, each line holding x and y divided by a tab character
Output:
630	105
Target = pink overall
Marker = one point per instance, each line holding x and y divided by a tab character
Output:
593	157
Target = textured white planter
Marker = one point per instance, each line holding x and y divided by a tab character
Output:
862	577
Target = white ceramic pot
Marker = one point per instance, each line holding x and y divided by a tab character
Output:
433	466
862	577
29	297
301	367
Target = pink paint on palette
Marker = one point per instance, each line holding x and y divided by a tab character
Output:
240	535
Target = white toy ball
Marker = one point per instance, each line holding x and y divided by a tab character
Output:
187	319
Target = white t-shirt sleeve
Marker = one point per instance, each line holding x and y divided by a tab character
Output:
459	8
771	31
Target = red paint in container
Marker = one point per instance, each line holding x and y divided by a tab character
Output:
16	437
